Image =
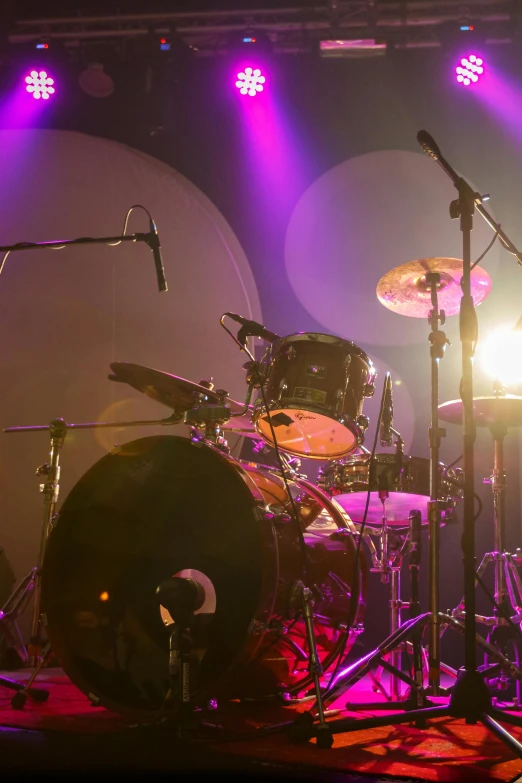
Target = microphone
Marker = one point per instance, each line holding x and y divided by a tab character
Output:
385	433
428	144
252	329
154	244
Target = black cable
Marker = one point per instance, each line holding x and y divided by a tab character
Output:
294	513
486	251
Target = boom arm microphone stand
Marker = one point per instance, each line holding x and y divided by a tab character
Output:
470	698
17	602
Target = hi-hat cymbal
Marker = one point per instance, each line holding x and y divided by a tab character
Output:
174	392
487	411
404	289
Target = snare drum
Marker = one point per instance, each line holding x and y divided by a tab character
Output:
398	486
315	390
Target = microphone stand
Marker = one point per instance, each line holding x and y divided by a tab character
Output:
470	698
150	239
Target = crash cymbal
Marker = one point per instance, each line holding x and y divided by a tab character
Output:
404	289
487	411
174	392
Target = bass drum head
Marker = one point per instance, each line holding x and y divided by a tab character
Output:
155	508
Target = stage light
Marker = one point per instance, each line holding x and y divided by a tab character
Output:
501	355
250	81
469	70
39	84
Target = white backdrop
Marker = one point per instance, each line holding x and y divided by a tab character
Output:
65	315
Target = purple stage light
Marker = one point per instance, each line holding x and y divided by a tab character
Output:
39	84
470	70
250	81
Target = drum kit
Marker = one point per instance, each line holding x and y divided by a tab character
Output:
175	574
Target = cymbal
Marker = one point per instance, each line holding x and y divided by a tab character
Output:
404	290
242	425
174	392
487	411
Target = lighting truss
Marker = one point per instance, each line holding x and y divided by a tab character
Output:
290	29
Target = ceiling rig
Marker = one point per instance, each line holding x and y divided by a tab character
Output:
292	29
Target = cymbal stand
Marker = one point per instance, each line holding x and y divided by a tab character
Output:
31	585
470	698
507	581
438	342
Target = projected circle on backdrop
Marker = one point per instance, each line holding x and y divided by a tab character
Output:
359	220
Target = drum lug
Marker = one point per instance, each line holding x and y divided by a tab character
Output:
363	422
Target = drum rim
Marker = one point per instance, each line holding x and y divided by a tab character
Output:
332	340
350	425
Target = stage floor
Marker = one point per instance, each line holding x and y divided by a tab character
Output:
67	735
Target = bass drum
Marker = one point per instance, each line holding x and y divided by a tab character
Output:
160	507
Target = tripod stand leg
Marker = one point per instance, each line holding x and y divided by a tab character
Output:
500	732
19	699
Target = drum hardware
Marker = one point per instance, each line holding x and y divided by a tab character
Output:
498	413
469	697
268	432
30	586
392	660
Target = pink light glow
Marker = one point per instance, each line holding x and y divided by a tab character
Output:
469	70
39	84
250	81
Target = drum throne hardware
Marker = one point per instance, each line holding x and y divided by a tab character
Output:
470	698
498	413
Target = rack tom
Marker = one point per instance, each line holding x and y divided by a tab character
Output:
398	484
315	390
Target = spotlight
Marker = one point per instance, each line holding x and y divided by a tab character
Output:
469	70
250	81
39	84
501	355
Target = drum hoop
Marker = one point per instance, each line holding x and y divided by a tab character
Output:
325	339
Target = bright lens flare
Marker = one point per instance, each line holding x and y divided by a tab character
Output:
500	356
39	84
250	81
